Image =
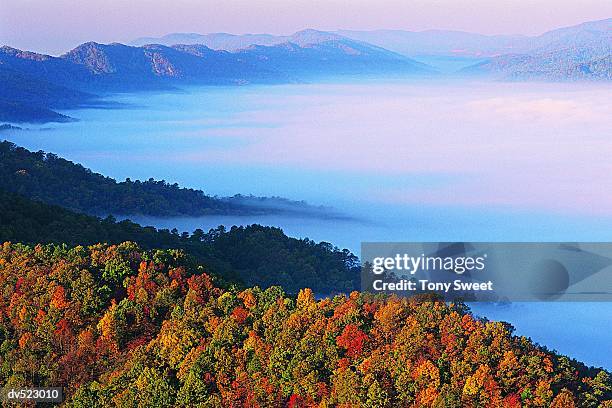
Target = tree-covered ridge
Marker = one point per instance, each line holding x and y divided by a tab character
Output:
118	326
54	180
253	255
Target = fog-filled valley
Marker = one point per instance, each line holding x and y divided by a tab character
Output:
420	148
405	160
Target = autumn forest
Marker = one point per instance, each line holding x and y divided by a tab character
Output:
186	209
121	326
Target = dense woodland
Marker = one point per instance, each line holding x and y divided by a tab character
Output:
249	255
119	326
54	180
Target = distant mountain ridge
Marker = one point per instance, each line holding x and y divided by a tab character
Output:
236	42
581	52
445	42
216	41
75	78
408	43
279	61
591	34
118	66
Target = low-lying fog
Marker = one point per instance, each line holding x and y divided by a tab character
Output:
470	146
410	160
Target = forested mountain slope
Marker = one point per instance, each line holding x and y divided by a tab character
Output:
119	326
54	180
253	255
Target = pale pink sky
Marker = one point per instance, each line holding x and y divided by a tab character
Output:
57	25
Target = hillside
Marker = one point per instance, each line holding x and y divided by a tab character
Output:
315	53
253	255
582	52
26	98
590	34
118	66
51	179
119	326
11	111
43	68
559	65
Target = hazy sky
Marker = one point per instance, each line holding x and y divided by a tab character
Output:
57	25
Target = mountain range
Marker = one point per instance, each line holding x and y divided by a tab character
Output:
36	84
235	42
413	43
409	43
571	53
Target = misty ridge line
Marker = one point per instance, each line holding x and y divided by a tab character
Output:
36	85
436	37
51	179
